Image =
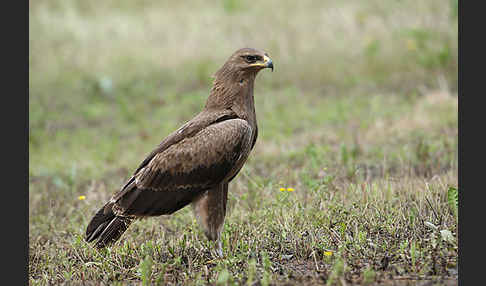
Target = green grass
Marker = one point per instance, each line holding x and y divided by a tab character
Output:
359	118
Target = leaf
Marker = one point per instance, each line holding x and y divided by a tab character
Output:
145	269
447	235
431	225
452	199
223	277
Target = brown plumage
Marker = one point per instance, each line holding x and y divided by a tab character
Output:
195	163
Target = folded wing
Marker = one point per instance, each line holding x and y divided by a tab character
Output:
174	177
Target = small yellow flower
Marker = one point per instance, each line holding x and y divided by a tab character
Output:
327	253
282	189
81	198
290	189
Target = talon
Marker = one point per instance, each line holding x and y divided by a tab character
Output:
219	249
220	252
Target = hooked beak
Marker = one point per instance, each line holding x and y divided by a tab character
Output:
268	62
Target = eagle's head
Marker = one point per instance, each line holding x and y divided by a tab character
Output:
234	80
246	62
250	59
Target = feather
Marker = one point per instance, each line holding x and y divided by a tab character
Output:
194	163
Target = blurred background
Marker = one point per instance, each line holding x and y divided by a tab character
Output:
359	117
104	76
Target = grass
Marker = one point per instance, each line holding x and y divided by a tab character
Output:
359	119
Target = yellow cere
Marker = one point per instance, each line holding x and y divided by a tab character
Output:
81	198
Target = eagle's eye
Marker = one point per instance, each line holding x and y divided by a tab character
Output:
251	58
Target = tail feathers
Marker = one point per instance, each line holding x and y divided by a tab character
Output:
106	227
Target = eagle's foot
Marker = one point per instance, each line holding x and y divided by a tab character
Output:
217	250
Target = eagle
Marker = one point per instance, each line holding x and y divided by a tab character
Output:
194	164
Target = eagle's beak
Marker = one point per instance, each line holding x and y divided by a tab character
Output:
268	62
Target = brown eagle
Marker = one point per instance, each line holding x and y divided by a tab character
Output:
195	163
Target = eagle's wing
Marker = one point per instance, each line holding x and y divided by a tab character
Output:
172	178
189	129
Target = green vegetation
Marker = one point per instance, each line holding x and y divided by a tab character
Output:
359	119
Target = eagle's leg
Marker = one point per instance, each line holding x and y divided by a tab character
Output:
210	209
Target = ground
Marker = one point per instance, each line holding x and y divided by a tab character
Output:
348	181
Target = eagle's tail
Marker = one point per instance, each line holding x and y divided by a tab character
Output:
106	227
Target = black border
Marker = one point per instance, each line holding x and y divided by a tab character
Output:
469	191
15	142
